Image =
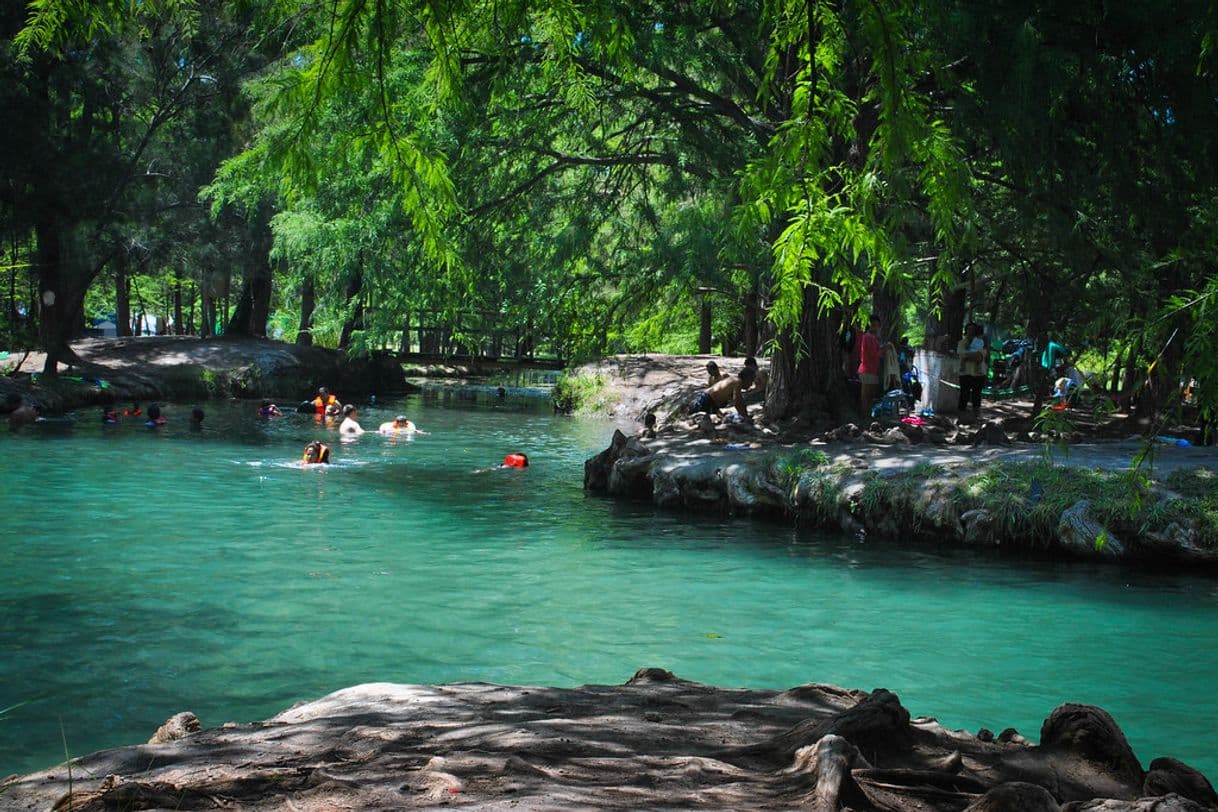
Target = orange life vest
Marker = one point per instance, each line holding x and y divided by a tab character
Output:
320	404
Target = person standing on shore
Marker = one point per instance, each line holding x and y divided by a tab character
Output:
972	367
869	369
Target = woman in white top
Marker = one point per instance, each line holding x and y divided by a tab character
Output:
350	425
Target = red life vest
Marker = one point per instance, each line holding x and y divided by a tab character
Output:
516	461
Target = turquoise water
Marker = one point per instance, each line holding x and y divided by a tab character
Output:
147	572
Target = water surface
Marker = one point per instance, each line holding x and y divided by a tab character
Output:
147	572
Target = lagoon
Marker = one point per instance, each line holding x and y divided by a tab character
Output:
147	572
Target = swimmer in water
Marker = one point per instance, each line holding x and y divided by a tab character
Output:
399	425
268	409
316	453
513	460
155	418
350	425
20	413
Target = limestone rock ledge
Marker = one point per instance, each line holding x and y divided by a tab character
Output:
655	742
853	492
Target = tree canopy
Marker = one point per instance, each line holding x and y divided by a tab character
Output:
611	177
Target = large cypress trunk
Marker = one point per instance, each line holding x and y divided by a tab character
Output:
61	294
805	371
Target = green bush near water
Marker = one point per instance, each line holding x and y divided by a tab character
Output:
579	393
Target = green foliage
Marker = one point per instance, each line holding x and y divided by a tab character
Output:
1027	500
587	173
791	468
579	393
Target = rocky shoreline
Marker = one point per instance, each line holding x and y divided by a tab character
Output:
1088	503
656	742
989	483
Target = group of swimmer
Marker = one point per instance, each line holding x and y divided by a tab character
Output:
112	416
325	406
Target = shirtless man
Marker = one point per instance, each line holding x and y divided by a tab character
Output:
729	390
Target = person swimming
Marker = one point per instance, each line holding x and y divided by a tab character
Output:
155	418
325	403
350	425
110	417
268	409
399	425
316	453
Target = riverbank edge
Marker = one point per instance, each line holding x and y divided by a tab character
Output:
188	368
656	741
1010	499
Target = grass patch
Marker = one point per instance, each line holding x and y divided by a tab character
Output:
790	467
580	393
1198	490
1026	500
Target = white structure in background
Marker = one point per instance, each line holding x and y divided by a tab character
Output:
106	328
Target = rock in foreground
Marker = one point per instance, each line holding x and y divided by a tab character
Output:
655	742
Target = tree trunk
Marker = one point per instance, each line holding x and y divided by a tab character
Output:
61	296
750	337
944	329
704	330
253	304
207	316
805	372
308	302
122	296
355	321
179	326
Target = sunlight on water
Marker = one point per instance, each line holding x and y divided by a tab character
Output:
148	572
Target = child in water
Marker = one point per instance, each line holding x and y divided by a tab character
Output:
316	453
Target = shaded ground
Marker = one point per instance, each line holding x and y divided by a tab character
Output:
656	742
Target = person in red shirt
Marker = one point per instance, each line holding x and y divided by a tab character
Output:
869	369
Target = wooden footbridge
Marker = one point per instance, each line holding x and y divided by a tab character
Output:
477	338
